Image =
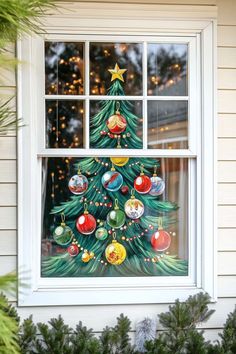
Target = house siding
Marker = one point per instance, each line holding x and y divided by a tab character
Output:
99	316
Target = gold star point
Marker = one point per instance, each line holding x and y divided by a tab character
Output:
117	73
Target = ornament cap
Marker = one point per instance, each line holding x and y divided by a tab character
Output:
132	193
142	169
116	207
112	167
63	224
117	107
155	171
86	208
118	142
160	224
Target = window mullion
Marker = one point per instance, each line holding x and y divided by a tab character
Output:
86	85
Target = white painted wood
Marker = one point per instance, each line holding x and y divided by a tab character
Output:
226	12
115	18
226	149
227	286
158	2
226	171
100	316
226	216
7	264
7	195
212	334
226	263
226	57
227	239
226	36
7	218
227	101
227	79
227	194
227	125
7	148
7	242
7	171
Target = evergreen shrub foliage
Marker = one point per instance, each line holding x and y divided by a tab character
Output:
179	334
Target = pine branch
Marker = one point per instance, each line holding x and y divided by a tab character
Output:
8	327
54	338
8	120
22	16
28	336
84	342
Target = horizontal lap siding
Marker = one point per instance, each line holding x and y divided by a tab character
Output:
99	316
226	261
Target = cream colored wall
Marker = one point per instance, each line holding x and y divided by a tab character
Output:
99	316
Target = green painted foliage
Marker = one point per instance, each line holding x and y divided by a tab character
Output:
140	248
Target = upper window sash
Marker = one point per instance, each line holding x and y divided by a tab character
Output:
193	99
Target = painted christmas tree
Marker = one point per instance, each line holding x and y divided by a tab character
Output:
115	223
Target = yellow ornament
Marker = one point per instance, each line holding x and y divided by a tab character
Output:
119	161
86	256
115	253
117	73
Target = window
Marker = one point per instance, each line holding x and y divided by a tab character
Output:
114	182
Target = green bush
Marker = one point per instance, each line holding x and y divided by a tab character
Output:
179	335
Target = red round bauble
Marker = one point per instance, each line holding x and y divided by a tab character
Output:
86	224
73	250
161	240
116	123
124	190
142	184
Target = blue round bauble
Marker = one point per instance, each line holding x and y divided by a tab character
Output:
112	181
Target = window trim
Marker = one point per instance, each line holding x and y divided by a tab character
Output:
41	292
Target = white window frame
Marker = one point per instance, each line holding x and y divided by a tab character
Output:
195	25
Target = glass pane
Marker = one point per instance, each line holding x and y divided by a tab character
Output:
116	124
64	124
87	205
168	124
167	69
64	68
104	56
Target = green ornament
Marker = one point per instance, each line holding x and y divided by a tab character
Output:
101	233
116	218
63	234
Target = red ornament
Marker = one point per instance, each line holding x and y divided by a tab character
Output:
73	250
124	190
86	223
116	123
142	184
161	240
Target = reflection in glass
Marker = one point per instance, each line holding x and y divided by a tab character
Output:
168	124
64	124
103	113
56	196
167	69
104	56
64	68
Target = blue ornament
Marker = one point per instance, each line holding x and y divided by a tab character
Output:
112	181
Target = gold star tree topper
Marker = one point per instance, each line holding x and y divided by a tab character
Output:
117	73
